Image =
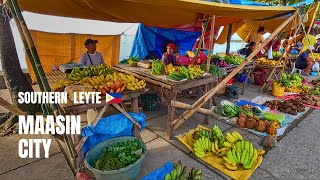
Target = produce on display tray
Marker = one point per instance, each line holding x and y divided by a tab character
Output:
268	62
119	155
292	106
77	74
158	67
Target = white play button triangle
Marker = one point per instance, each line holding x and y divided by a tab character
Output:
109	97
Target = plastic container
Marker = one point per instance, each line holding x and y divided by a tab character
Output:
128	173
232	92
150	101
314	73
277	89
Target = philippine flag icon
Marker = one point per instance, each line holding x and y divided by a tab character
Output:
112	98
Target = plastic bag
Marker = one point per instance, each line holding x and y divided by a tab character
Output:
315	67
110	127
160	173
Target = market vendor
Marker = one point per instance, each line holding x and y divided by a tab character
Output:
91	57
170	56
250	49
257	37
243	50
304	61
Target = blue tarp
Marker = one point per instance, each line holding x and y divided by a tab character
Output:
247	3
152	41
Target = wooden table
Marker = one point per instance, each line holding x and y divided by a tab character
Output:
74	145
168	90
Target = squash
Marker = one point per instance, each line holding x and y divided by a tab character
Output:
260	126
250	123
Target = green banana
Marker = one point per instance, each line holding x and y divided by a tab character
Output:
168	177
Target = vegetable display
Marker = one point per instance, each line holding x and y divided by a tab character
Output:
228	109
158	67
231	59
214	70
119	155
133	61
291	106
77	74
310	99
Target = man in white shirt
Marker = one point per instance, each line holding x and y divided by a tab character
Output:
91	57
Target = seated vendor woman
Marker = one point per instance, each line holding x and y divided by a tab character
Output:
304	61
91	57
169	56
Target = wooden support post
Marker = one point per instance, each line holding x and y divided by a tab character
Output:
313	18
229	39
171	115
11	107
213	19
32	48
188	113
188	106
207	105
204	29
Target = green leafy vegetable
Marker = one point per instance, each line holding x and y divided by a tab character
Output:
119	155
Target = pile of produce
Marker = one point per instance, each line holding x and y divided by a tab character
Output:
276	54
223	64
316	55
77	74
158	67
196	70
254	122
177	76
264	61
309	99
170	68
61	84
114	87
186	72
213	141
214	70
316	91
228	109
180	172
291	80
133	61
315	82
129	81
232	59
119	155
292	106
243	153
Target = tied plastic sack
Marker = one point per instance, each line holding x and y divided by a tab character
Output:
315	67
112	126
160	173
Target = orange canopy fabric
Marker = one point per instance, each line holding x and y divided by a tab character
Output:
56	49
151	12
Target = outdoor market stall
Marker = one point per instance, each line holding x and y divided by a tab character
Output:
175	12
168	90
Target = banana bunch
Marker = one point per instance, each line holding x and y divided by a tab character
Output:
195	174
61	84
203	133
201	146
217	135
131	83
196	70
217	150
158	67
178	173
293	89
264	61
95	81
244	153
77	74
186	72
233	137
170	68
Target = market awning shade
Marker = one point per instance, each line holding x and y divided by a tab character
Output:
151	12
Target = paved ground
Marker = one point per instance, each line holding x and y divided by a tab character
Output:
295	157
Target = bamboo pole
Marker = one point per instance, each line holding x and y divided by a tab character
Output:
11	107
32	48
25	44
313	18
188	106
200	102
204	29
213	19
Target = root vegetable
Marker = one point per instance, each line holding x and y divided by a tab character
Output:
250	123
260	126
241	122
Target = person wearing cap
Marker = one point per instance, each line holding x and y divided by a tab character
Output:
304	61
91	57
170	56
